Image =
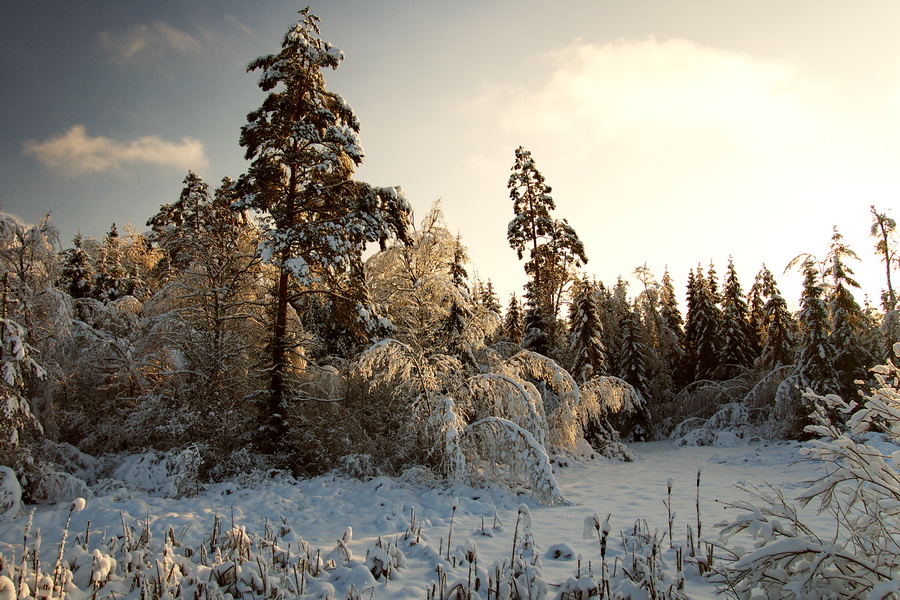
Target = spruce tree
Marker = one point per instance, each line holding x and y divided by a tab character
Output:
779	345
514	322
489	298
815	363
633	353
737	353
459	314
535	331
757	317
489	311
712	283
668	307
816	359
691	296
702	337
76	272
671	348
585	334
110	279
303	145
847	319
614	307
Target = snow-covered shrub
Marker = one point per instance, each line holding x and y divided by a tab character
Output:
859	487
10	494
152	375
498	395
238	465
445	425
55	485
575	413
559	392
105	364
731	422
610	405
170	474
619	402
323	383
491	425
399	391
757	403
791	411
21	434
700	400
644	573
511	455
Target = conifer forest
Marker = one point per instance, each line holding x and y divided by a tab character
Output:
297	327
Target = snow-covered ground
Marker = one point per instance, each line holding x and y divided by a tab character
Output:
321	510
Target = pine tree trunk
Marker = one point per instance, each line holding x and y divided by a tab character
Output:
277	427
892	298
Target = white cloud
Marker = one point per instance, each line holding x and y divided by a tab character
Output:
646	90
16	218
76	153
141	41
238	25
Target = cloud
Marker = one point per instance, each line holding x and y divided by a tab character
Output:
143	41
646	90
76	153
238	25
15	218
647	120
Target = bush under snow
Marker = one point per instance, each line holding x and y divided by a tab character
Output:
858	486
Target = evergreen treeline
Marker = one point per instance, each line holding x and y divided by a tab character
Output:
244	324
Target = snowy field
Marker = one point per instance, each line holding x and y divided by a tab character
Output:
379	512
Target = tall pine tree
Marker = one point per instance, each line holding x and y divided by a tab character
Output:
303	145
884	231
554	250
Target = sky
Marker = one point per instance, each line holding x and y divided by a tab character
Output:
673	134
